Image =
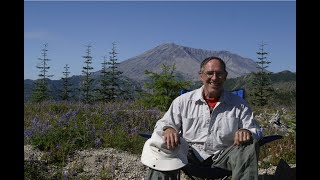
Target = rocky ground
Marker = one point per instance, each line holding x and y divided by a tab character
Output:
105	163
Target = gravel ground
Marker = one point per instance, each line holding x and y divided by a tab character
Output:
104	163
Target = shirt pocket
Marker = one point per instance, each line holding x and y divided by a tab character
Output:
228	125
195	128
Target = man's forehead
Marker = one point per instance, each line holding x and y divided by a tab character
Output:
213	64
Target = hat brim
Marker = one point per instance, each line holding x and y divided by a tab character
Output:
155	161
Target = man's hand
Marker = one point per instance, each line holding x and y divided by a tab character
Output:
171	137
242	136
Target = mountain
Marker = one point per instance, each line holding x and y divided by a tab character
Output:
186	59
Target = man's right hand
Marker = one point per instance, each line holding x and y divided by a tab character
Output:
171	137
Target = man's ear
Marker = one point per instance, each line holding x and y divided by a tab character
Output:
200	76
226	76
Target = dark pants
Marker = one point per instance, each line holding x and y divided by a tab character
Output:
241	160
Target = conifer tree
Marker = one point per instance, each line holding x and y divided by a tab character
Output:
114	74
41	90
261	82
86	84
110	82
66	91
104	91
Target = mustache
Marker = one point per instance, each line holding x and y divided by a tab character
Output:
214	81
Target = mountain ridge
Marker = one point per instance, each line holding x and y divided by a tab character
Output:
186	59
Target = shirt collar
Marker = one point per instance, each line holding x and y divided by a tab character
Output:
198	95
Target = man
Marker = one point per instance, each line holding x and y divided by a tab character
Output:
219	126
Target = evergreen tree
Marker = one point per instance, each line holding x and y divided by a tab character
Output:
41	90
110	80
65	92
163	88
86	84
114	74
261	82
129	89
104	91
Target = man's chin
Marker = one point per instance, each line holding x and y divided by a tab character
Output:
213	89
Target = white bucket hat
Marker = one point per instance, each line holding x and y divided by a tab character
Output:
156	155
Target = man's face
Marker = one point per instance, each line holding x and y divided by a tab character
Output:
213	77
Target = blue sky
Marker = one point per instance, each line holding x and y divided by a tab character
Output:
137	26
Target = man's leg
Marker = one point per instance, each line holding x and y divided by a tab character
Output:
241	160
171	175
162	175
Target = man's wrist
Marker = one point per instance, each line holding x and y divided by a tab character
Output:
169	127
166	127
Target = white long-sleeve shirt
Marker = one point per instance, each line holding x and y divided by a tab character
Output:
208	133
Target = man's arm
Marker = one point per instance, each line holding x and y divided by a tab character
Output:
170	123
249	123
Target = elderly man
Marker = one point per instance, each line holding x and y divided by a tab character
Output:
219	127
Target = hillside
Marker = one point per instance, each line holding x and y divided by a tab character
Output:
284	80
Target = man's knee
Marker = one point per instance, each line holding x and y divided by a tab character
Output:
162	175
